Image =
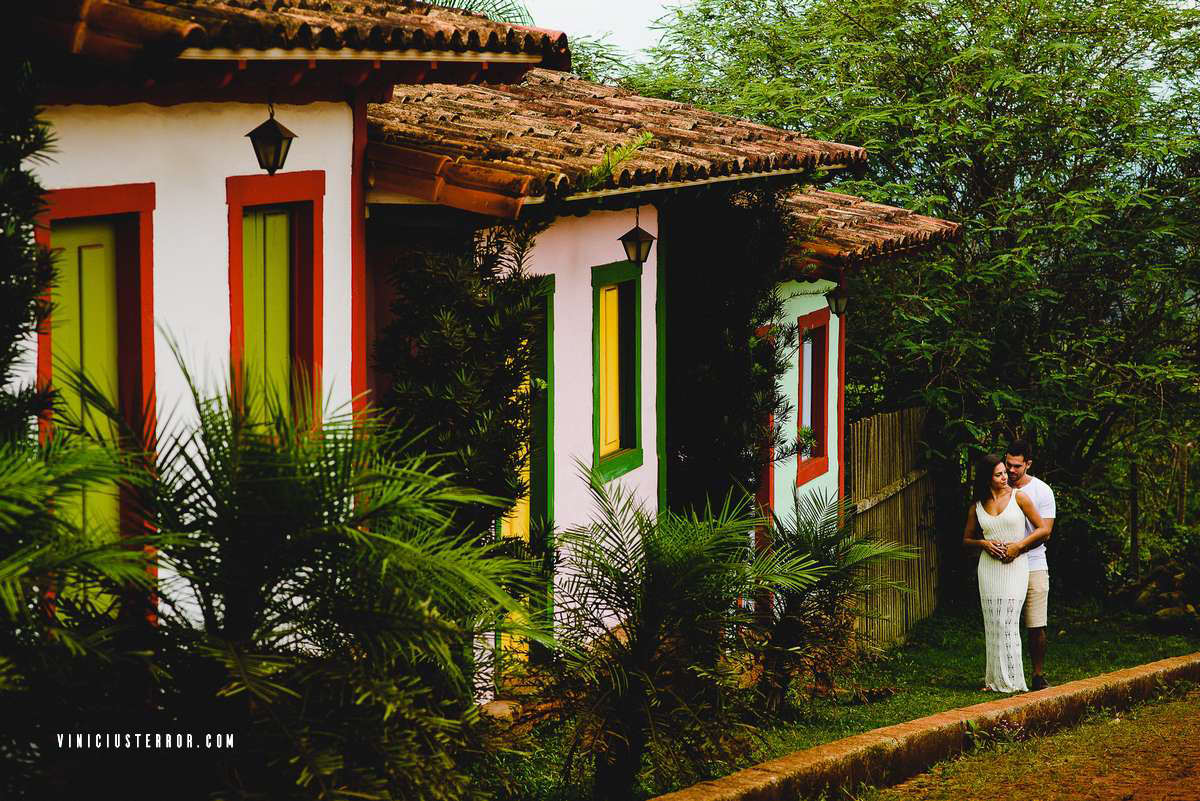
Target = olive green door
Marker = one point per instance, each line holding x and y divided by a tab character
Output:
83	337
267	304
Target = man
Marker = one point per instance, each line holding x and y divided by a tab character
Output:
1018	459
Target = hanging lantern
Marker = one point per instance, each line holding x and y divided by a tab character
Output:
271	142
637	241
838	298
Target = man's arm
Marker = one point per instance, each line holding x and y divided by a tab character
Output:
1041	527
1035	539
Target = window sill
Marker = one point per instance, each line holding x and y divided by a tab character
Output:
618	464
808	469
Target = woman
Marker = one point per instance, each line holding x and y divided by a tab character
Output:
1000	511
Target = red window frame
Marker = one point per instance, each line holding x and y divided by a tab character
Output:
818	463
304	191
132	205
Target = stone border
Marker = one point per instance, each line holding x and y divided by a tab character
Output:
889	755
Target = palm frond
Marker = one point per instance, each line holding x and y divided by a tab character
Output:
511	11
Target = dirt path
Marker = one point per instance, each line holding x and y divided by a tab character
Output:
1151	753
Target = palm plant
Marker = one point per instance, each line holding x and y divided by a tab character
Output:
651	608
68	657
811	628
511	11
315	601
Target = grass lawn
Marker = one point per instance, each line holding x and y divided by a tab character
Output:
1149	752
941	667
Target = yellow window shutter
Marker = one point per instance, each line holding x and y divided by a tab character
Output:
610	371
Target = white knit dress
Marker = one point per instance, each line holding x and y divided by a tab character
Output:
1002	589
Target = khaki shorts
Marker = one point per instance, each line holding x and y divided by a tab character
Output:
1036	599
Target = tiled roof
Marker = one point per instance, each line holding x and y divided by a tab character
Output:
490	149
121	29
543	136
845	230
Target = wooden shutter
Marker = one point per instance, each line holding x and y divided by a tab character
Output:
610	370
84	337
267	302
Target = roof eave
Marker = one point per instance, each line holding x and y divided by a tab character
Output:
347	54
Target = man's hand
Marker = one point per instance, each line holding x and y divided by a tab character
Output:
997	550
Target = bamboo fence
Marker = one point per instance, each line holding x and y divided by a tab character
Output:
895	501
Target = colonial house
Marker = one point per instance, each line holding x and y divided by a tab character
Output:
458	158
372	124
166	216
834	233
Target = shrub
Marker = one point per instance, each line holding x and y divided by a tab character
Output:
314	601
319	603
26	269
650	608
457	354
68	660
811	628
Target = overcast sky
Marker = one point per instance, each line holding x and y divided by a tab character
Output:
629	21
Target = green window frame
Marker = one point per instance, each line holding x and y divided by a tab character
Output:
617	356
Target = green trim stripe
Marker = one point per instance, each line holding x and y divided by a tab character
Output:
548	290
660	350
627	459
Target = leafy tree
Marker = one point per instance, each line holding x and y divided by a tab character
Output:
1063	135
597	59
458	354
26	270
727	351
648	609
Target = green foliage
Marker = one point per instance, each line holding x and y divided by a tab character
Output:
66	655
318	602
649	609
512	11
1063	135
605	171
596	59
458	352
811	632
728	351
26	270
314	600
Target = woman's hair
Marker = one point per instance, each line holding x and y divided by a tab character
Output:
983	476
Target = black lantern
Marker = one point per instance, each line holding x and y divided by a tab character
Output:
637	241
837	298
271	142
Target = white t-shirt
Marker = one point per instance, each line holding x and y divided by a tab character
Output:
1042	496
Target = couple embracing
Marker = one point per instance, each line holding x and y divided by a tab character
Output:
1010	521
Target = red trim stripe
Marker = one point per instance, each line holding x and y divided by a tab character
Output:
817	465
133	205
306	187
358	257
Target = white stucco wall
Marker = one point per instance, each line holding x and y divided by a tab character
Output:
800	298
187	151
568	250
